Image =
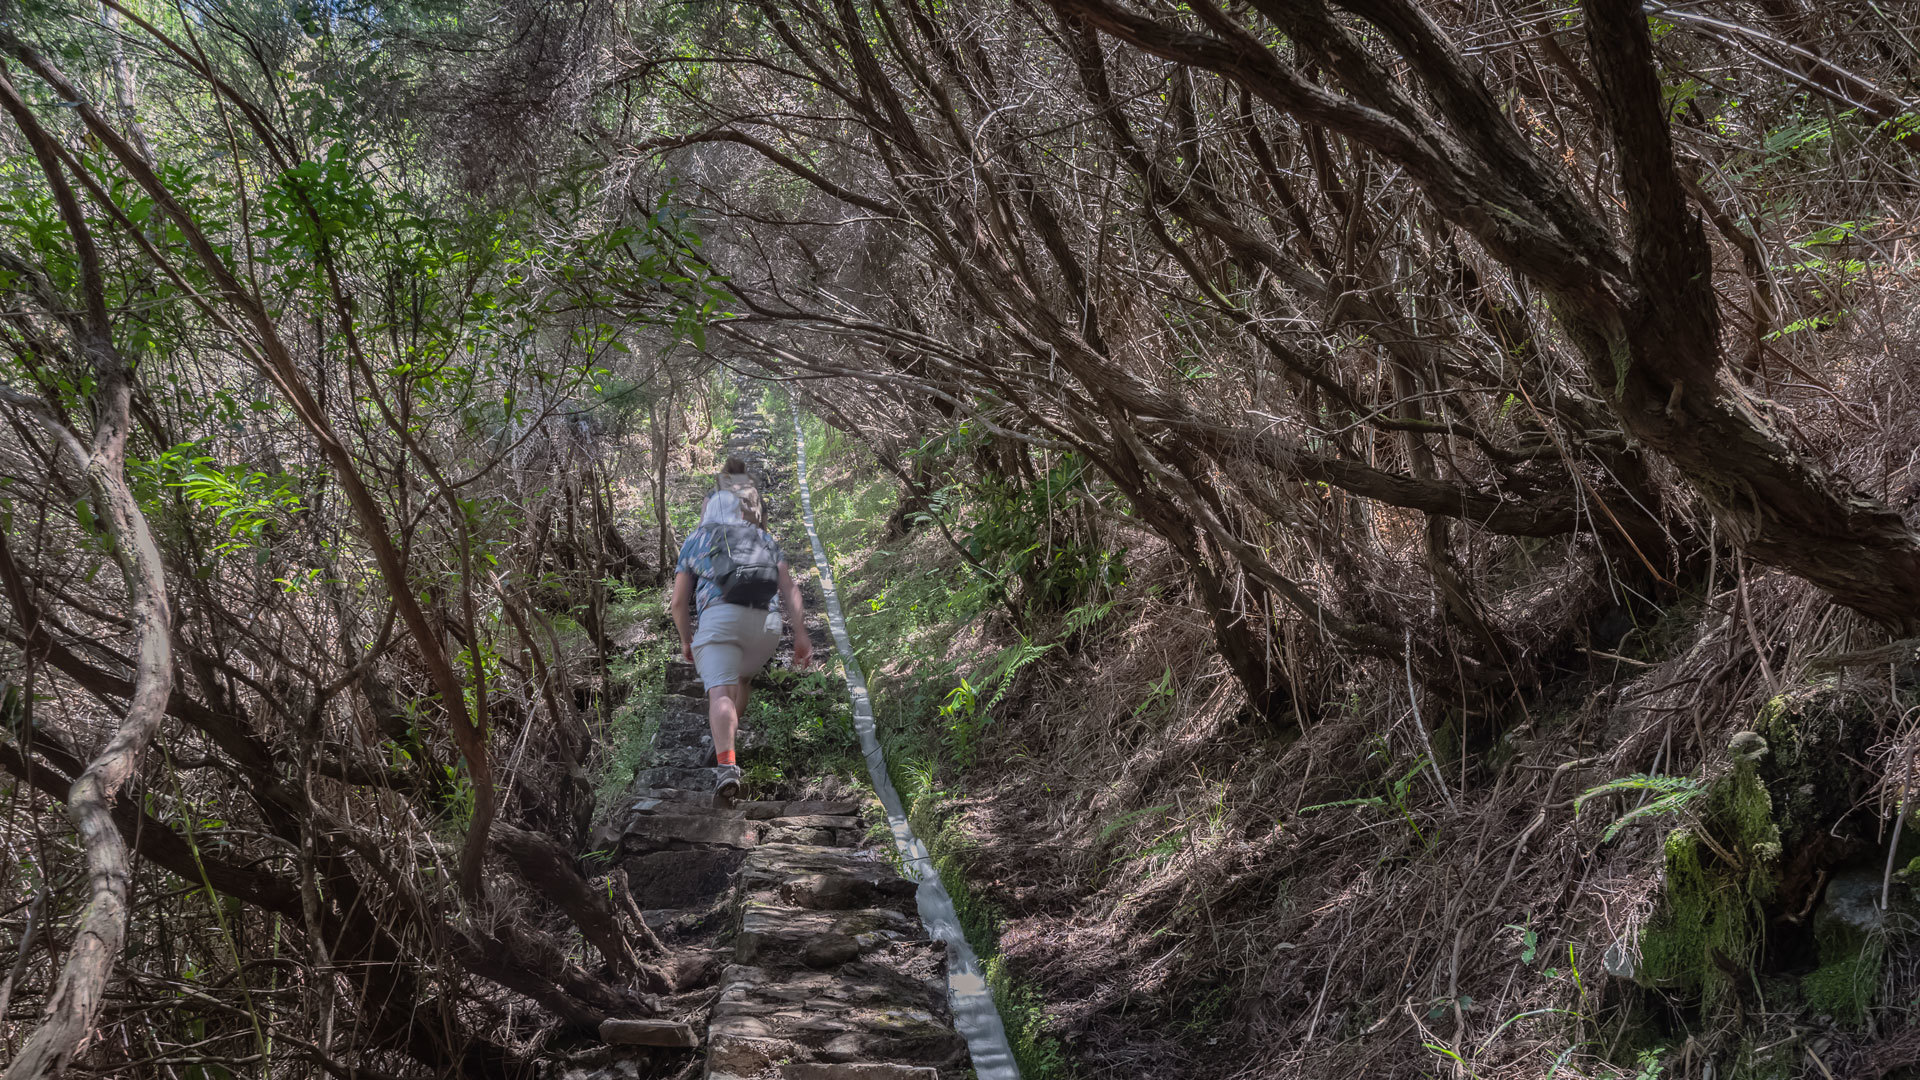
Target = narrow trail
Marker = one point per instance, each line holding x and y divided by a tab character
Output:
967	991
791	948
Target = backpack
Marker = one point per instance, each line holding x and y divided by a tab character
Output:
746	566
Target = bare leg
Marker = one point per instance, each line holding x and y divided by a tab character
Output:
723	717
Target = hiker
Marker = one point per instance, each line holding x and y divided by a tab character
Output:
735	478
730	572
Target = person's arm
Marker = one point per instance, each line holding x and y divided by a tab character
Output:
797	618
682	608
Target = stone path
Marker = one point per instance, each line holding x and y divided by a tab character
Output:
824	970
794	947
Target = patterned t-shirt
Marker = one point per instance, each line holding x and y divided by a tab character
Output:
696	558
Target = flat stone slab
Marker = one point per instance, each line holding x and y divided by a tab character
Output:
691	880
797	936
813	821
846	892
702	800
815	1070
759	810
856	1015
654	831
699	804
648	1033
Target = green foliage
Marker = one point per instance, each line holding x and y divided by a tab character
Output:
801	725
1847	981
1016	531
245	503
629	733
964	714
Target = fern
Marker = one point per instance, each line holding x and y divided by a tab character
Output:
1084	616
1672	794
1127	819
1008	664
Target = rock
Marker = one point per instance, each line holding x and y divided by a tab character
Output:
762	811
791	820
1851	908
836	807
655	831
842	892
814	1070
682	879
683	680
816	837
694	971
684	779
647	1033
830	950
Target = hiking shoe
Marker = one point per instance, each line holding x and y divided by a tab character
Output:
726	781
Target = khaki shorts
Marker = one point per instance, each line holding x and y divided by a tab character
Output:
733	643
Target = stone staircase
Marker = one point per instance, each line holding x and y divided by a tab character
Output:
807	959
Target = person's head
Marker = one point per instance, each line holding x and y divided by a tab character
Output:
734	465
723	508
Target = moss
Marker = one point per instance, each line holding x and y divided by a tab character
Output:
1719	872
1848	979
1815	733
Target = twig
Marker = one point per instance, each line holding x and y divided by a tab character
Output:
1899	821
27	934
1413	697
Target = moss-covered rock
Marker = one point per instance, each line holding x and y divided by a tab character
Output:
1719	874
1818	735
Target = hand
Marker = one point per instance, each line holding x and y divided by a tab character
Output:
802	656
686	652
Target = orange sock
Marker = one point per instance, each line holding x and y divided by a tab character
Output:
724	757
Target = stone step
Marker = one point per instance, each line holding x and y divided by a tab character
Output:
703	807
846	892
812	821
701	799
763	1019
686	727
773	864
667	776
647	1033
848	833
682	757
658	832
816	1070
683	680
763	810
692	879
780	936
